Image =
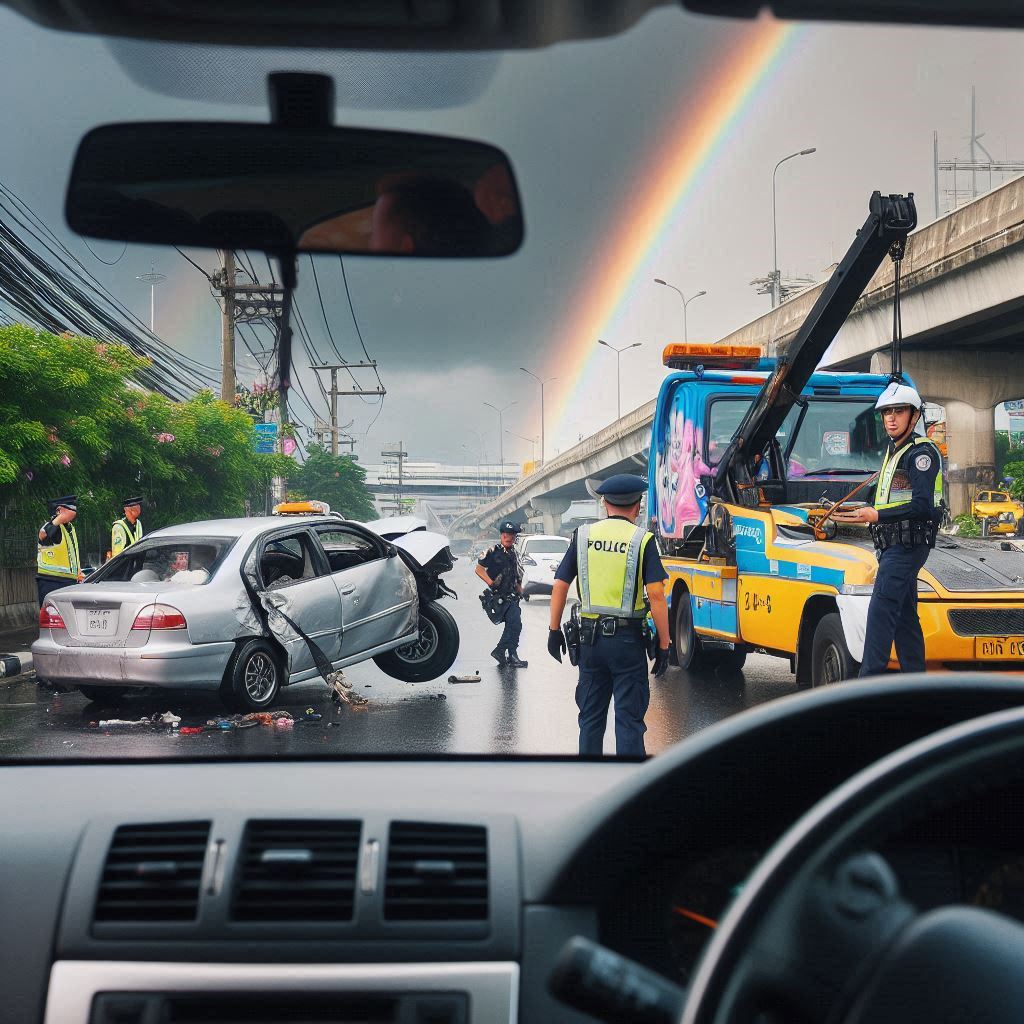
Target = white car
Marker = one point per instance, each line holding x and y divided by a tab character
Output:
541	555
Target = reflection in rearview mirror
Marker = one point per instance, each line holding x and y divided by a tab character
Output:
276	189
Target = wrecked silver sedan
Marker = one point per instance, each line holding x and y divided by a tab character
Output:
246	606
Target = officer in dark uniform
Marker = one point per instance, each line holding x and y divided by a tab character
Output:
904	521
501	569
58	561
613	562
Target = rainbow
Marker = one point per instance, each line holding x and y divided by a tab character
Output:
682	163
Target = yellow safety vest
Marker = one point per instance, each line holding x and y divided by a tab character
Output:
123	535
609	564
885	496
60	559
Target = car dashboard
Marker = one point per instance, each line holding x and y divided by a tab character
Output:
443	890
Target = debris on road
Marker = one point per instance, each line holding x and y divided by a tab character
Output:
474	678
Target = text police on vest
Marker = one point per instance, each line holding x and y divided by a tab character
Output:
619	547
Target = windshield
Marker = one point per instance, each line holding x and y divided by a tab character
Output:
689	180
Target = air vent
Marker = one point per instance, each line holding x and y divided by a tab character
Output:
436	873
293	870
152	873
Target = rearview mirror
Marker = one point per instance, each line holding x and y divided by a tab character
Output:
283	189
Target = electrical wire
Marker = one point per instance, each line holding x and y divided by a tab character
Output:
101	259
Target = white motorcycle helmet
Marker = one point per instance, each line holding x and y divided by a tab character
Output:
896	393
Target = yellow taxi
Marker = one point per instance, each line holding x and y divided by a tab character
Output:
1003	512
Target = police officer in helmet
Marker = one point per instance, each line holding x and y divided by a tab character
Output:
501	569
904	521
613	562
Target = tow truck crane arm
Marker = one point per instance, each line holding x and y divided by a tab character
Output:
890	220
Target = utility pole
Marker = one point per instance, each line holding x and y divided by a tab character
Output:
227	328
152	279
395	450
354	390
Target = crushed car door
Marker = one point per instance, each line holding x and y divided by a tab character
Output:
378	593
295	580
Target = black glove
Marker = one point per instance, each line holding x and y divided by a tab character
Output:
556	644
660	662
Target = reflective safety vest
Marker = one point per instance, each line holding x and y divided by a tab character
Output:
60	559
888	497
609	560
124	535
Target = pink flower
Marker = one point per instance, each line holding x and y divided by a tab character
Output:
65	460
288	446
165	438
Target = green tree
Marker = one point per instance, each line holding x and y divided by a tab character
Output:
73	421
1016	471
337	479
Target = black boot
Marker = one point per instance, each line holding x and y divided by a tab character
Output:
514	661
498	654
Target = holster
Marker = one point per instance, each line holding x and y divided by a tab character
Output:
571	629
908	533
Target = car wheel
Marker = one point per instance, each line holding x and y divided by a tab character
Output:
726	661
102	694
526	598
431	654
253	678
831	660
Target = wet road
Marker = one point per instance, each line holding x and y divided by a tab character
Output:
524	711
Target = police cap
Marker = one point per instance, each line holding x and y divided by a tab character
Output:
623	489
69	501
137	500
508	526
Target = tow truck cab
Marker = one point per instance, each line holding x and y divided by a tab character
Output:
753	576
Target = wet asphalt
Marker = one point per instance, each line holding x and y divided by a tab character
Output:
510	711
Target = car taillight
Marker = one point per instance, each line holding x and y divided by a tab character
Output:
159	616
50	618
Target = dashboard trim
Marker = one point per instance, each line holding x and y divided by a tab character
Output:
492	987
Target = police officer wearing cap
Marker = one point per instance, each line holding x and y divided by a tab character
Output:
904	521
127	530
501	569
58	562
613	562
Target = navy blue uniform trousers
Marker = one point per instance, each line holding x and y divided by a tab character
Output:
614	666
513	627
892	614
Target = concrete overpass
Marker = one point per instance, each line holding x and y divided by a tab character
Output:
618	448
963	327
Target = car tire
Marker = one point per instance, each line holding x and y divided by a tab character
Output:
102	695
430	655
726	661
252	681
831	660
526	597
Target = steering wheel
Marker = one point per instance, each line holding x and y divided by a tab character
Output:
820	931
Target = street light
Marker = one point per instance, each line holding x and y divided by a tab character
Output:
776	288
686	302
546	380
523	437
501	439
618	376
152	279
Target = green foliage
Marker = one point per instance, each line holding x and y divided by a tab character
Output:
1016	471
71	421
969	526
337	479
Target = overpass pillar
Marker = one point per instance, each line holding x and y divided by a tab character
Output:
551	509
969	383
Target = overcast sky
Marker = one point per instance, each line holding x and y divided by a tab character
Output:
583	125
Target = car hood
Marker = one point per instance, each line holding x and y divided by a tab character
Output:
422	545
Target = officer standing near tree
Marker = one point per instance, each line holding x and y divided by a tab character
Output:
58	562
904	521
127	530
613	562
500	568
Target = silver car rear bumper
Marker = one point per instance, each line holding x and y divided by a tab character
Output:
167	663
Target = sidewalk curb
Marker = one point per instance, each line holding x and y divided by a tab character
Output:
13	665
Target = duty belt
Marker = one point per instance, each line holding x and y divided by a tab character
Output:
610	625
910	533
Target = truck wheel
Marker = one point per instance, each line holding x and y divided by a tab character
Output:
831	661
727	661
689	655
430	655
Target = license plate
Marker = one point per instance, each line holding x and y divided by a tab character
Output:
999	648
100	622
